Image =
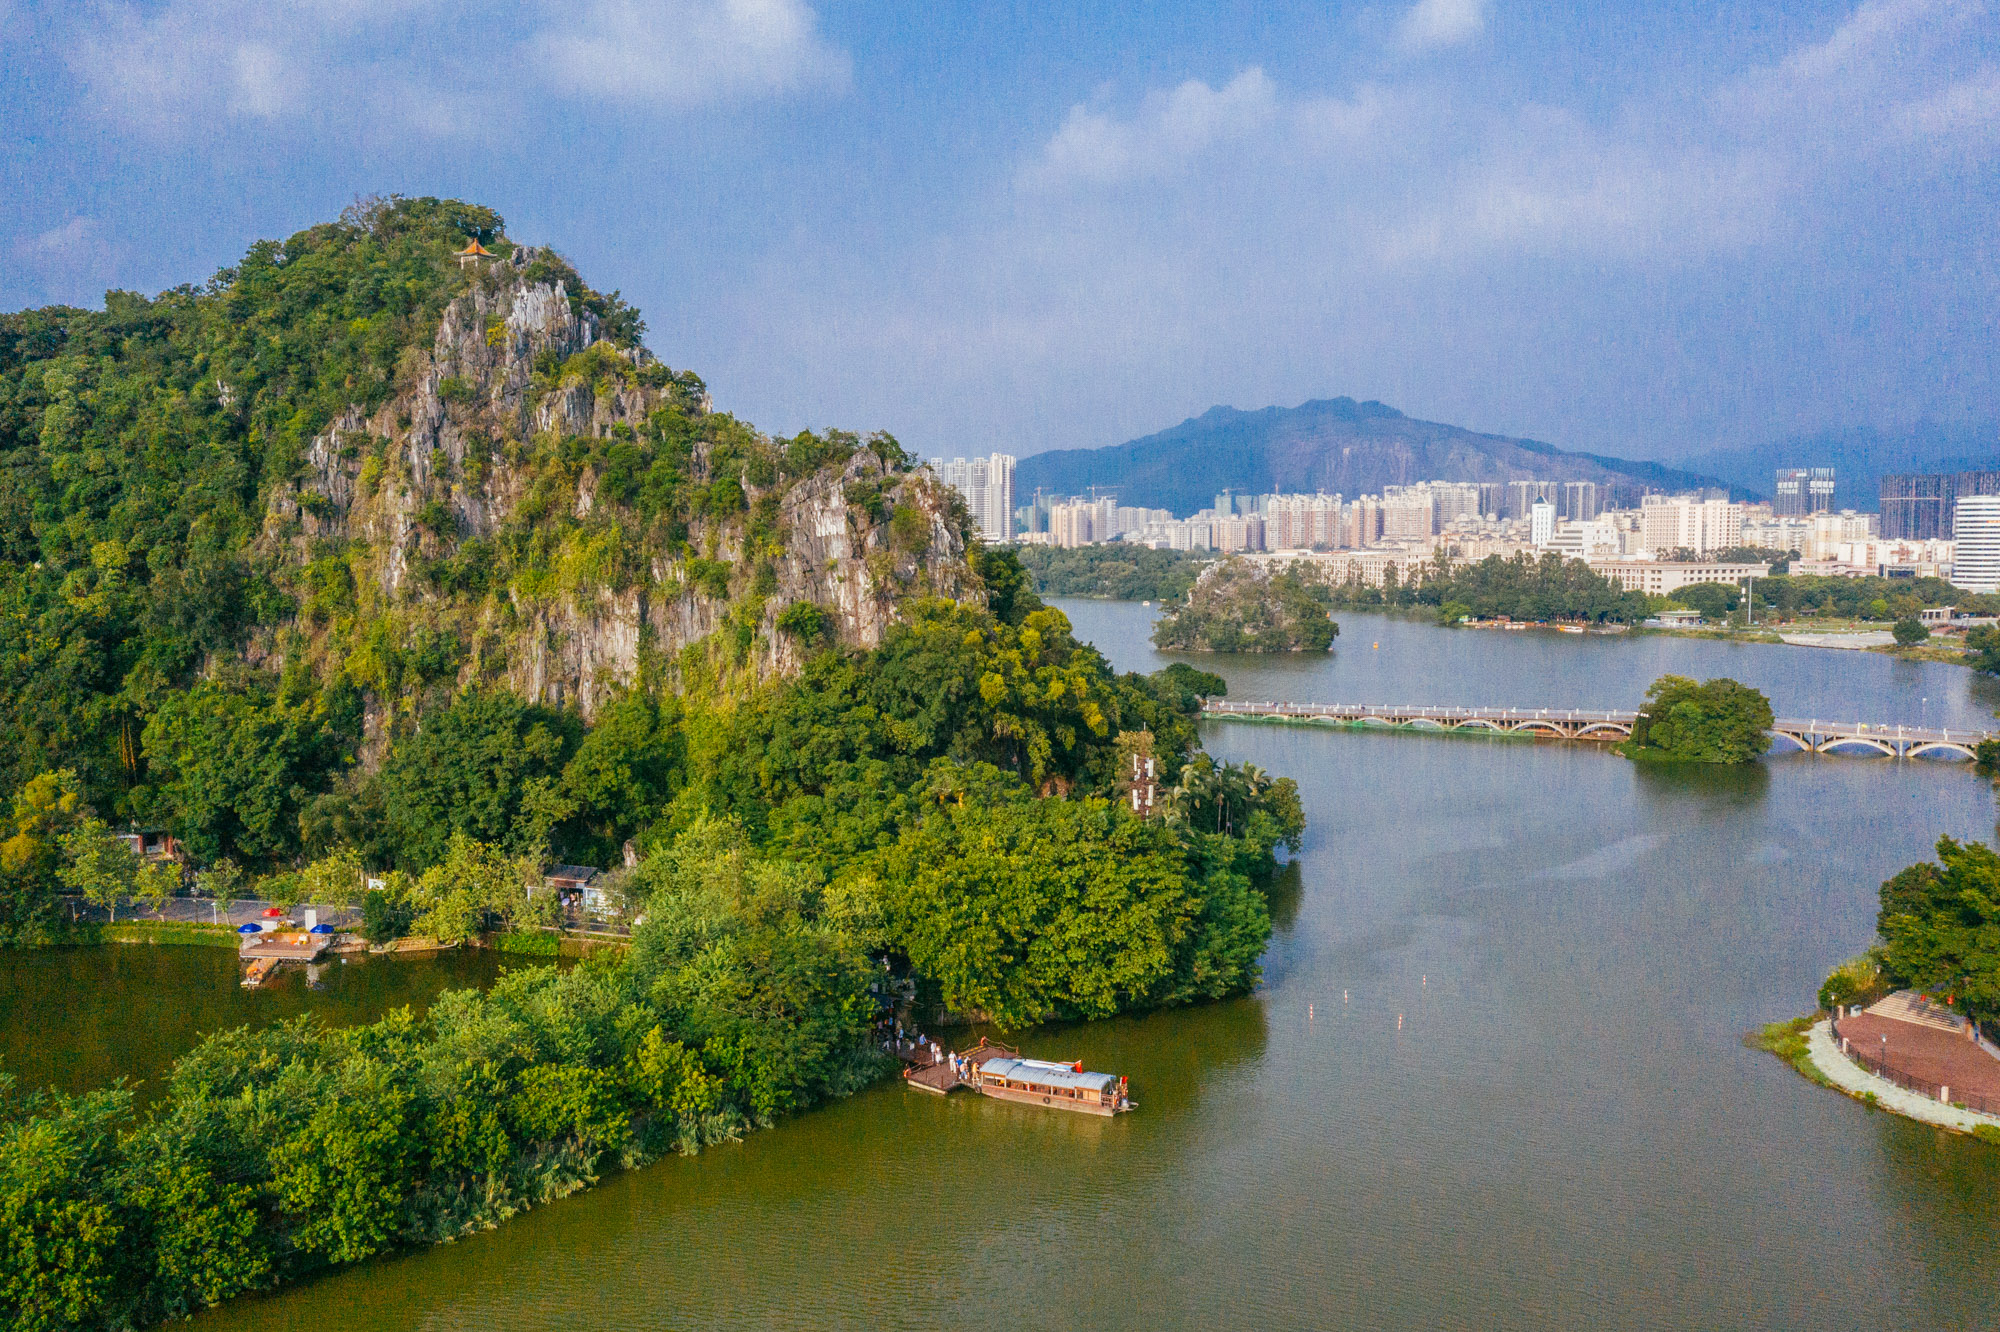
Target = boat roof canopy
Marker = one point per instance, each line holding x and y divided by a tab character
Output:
1044	1074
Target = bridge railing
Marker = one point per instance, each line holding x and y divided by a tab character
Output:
1816	732
1392	710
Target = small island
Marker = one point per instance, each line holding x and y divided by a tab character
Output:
1716	721
1241	606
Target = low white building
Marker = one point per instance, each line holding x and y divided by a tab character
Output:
1663	578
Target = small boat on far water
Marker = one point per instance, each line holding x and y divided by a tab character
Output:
1570	628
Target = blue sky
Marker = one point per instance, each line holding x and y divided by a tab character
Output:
1647	230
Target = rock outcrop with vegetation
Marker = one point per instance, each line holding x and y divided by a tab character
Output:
1241	605
358	564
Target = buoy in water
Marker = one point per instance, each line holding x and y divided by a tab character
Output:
1377	647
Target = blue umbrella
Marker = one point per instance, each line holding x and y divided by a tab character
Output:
321	928
249	927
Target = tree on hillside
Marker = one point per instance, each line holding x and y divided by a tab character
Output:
1718	721
489	766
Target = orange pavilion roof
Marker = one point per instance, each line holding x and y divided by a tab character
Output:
475	248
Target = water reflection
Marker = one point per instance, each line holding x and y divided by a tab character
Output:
77	1018
1707	788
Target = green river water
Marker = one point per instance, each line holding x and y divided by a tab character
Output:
1494	1078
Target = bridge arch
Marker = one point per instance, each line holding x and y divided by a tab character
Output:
1866	741
1939	747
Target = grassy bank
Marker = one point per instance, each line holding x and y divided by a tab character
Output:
164	932
1787	1040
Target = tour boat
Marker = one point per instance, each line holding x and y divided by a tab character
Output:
1059	1086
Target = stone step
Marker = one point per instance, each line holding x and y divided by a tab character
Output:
1909	1006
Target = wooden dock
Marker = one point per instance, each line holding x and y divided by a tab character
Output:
286	947
262	954
942	1079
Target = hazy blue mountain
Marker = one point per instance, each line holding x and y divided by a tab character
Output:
1859	457
1335	445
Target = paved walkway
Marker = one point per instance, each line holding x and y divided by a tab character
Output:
202	911
1944	1057
1850	1077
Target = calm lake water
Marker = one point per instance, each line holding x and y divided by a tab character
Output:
1494	1078
77	1018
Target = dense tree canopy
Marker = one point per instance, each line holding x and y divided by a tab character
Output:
944	808
1940	927
1717	721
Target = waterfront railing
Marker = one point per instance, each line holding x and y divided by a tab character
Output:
1890	1071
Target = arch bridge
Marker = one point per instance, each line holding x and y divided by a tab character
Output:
1610	727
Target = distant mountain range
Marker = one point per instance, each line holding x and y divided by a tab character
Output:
1335	445
1357	448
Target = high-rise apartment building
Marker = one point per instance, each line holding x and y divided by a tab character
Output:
1580	503
1542	523
1681	522
1920	507
1458	499
1976	535
1915	507
988	487
1803	490
1409	513
1365	521
1521	496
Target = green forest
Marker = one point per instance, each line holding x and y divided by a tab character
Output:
1115	571
208	631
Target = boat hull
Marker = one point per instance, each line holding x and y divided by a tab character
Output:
1050	1102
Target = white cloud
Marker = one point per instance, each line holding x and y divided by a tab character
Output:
1724	256
1968	108
438	66
1431	24
1167	135
1407	174
682	54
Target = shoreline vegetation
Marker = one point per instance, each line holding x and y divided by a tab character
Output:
1115	572
886	771
1716	721
1551	590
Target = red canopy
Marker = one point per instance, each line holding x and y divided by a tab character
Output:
272	912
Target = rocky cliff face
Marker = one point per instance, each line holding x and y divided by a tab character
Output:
493	457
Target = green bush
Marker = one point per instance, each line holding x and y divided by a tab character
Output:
385	917
1909	631
1856	981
